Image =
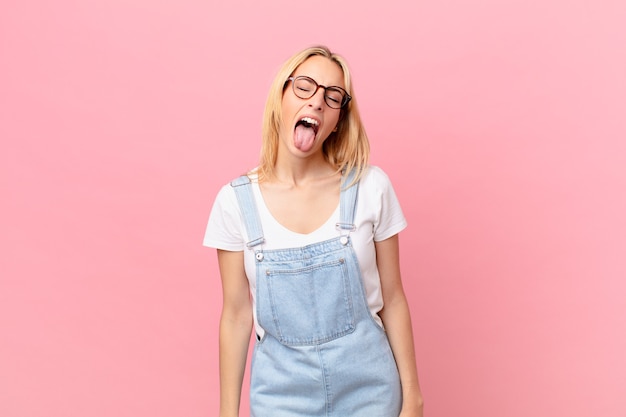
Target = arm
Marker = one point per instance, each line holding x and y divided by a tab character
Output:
235	328
397	320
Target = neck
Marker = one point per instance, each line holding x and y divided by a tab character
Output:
300	171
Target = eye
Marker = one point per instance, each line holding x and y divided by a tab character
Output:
334	95
304	87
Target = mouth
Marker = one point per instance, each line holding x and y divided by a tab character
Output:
305	133
309	123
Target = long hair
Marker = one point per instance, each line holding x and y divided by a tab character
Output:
346	149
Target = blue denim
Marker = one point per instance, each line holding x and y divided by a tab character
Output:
322	353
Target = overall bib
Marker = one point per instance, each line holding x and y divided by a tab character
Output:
322	353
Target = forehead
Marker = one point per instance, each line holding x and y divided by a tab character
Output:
322	70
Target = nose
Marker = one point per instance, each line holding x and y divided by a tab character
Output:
317	100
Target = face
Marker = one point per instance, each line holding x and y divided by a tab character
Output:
307	123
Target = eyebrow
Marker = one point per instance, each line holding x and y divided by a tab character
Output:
321	85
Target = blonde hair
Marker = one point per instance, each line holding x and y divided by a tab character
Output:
346	149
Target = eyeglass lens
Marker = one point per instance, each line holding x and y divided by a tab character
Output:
305	87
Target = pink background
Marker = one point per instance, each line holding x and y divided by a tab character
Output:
501	123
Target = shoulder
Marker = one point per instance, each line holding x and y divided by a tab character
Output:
227	194
225	227
382	202
375	178
376	172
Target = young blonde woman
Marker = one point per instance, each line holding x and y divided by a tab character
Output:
307	246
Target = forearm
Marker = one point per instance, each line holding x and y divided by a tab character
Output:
397	320
235	328
233	343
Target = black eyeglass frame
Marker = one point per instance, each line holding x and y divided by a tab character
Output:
346	97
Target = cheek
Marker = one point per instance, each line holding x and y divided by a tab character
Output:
288	107
334	120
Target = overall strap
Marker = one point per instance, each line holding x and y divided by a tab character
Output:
243	190
347	205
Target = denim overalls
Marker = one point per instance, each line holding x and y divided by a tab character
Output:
322	353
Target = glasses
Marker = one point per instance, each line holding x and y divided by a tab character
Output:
306	87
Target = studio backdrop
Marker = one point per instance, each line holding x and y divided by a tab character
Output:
502	125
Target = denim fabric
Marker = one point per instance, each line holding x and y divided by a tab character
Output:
322	353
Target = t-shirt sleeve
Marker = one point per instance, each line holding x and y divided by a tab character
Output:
224	229
391	219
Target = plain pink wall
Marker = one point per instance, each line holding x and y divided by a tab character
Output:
501	123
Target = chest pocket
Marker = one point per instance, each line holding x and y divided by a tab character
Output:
307	305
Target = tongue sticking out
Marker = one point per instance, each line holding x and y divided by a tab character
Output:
304	137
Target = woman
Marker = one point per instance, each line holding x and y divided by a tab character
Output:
312	235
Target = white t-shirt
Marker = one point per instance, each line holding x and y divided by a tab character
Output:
378	217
